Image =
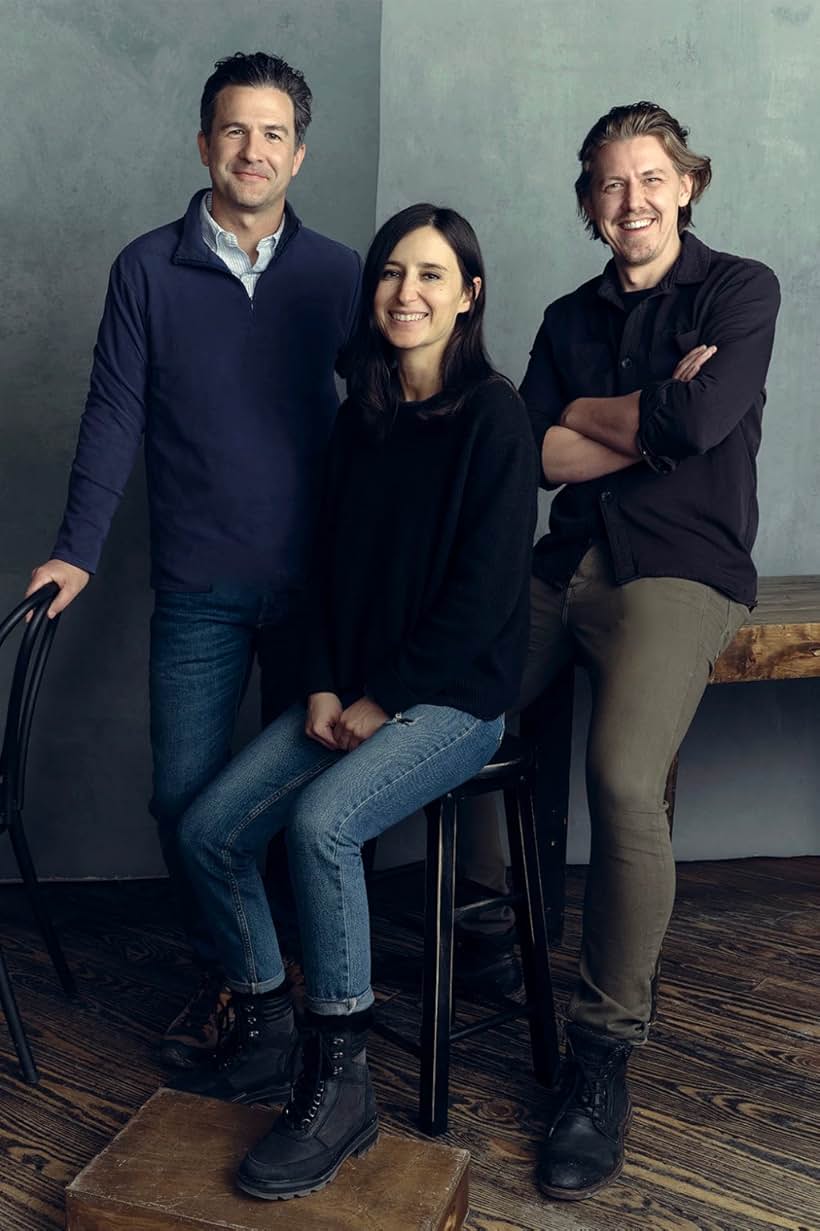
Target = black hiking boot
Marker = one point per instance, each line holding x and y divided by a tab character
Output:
584	1150
257	1061
195	1033
486	962
331	1114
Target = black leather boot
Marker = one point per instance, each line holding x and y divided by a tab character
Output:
331	1114
257	1062
584	1149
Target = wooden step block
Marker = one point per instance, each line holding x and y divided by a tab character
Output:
171	1169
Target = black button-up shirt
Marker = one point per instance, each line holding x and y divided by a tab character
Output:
689	507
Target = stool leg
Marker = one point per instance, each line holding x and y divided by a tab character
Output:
15	1025
437	992
528	877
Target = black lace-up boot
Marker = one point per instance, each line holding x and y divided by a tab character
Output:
584	1150
256	1062
331	1114
194	1035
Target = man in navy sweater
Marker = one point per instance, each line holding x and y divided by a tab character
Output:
218	343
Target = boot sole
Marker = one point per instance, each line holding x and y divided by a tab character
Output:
580	1194
360	1146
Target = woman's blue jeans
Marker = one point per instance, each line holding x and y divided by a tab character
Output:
330	803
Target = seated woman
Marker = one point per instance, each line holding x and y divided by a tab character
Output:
416	646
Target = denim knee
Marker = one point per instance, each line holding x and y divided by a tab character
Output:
197	838
312	834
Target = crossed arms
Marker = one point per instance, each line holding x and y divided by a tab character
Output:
598	436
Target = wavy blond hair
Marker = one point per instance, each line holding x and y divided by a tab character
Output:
642	120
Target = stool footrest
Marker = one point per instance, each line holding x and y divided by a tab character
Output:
500	899
395	1036
486	1023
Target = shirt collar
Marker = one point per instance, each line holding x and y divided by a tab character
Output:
212	232
692	265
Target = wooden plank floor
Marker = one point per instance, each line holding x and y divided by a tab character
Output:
727	1132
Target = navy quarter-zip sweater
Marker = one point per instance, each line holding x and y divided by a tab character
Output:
235	397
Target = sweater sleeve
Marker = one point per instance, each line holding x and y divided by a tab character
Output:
111	428
490	564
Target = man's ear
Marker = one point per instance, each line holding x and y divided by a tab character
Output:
202	142
299	158
686	186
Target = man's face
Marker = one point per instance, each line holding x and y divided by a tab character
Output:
634	196
251	153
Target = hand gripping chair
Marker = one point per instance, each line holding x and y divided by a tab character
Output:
27	675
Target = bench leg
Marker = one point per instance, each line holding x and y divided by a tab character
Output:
548	725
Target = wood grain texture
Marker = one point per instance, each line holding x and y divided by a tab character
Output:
781	639
172	1167
727	1130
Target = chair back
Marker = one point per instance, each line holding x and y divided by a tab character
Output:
38	635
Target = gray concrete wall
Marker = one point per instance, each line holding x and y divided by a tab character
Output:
483	107
483	104
101	104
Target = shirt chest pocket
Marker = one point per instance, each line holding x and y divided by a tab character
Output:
670	350
589	370
684	342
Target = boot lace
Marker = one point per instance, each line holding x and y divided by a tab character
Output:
592	1087
323	1057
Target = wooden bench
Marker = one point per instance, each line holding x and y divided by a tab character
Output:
172	1166
780	641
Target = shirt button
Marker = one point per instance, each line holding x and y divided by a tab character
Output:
606	495
626	362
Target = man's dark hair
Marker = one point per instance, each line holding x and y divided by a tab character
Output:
642	120
257	69
369	362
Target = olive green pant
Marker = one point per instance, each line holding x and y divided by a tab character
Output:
649	647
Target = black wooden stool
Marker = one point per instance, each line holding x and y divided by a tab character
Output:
511	771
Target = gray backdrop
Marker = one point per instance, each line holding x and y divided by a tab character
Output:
101	99
475	103
509	91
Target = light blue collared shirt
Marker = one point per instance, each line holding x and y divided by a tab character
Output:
226	246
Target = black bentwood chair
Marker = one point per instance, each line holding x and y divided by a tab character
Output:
27	676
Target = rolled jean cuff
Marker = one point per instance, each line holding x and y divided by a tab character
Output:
256	989
341	1008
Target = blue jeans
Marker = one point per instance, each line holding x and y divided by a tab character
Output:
202	649
331	803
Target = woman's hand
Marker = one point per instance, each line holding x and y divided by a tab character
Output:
323	711
358	722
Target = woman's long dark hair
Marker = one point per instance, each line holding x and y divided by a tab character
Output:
369	361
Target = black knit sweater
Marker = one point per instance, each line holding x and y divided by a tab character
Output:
421	591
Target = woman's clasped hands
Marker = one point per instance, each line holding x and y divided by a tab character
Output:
340	729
